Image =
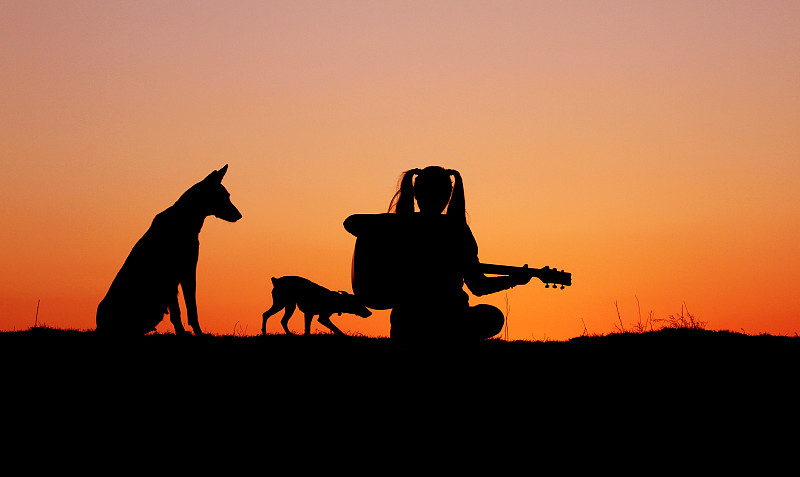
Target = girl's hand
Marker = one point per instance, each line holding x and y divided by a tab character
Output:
522	278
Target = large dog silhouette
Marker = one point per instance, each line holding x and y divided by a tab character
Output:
146	287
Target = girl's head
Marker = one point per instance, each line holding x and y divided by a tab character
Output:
433	190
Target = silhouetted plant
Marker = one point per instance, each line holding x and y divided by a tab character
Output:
684	320
621	326
646	325
585	330
238	330
508	312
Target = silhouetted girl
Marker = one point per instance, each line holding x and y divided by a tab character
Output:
435	255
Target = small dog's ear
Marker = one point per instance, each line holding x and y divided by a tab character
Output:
222	172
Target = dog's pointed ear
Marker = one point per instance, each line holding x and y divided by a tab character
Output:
216	176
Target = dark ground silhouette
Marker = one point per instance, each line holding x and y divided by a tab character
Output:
146	287
668	397
684	399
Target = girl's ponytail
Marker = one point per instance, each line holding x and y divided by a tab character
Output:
457	207
403	200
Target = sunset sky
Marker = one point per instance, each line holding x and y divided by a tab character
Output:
650	148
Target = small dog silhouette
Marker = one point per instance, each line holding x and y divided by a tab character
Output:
146	287
312	299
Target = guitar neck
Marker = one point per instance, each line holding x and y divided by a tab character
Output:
493	269
546	274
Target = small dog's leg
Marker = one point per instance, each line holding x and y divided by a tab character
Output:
286	315
276	307
325	320
309	317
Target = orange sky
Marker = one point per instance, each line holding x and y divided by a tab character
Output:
650	148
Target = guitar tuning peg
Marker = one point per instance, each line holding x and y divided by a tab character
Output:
562	287
547	285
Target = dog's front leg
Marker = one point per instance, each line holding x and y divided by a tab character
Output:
325	320
175	314
276	307
189	287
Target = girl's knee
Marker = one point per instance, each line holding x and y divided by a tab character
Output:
490	320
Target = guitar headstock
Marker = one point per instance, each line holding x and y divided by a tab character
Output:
551	276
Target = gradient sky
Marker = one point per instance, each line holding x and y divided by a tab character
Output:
651	148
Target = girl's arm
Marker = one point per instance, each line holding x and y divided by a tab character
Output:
479	284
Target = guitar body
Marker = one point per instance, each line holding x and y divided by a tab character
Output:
376	265
407	255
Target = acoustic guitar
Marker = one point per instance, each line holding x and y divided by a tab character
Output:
384	250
